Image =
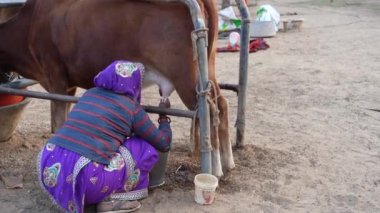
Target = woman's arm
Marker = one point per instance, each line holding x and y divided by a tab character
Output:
143	127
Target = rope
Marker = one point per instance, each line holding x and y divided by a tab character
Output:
195	35
215	115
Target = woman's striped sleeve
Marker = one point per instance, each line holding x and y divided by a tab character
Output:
143	127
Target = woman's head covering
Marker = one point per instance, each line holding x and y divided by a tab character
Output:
123	77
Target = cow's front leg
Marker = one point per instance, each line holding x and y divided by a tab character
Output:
58	114
59	111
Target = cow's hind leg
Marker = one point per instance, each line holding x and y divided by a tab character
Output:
222	156
224	136
214	133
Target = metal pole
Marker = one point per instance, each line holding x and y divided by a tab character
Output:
204	110
20	83
200	38
73	99
243	72
233	87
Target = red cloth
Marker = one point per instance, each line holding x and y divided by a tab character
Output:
257	44
254	45
229	48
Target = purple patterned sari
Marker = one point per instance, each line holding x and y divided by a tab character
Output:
73	181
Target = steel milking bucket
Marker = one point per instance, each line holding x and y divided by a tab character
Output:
157	175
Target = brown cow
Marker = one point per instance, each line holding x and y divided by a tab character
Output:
63	44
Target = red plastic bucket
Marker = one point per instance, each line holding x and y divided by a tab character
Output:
6	99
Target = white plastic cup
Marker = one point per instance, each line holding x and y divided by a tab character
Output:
205	185
234	39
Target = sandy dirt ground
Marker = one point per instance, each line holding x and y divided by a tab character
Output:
313	142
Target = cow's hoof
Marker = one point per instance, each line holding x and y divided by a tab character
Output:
217	168
228	164
218	174
217	171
